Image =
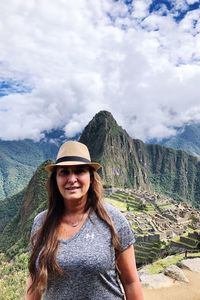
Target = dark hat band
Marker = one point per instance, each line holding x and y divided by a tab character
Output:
72	158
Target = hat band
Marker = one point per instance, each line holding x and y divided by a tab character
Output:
72	158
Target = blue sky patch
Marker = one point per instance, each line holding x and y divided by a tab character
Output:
156	5
12	87
181	13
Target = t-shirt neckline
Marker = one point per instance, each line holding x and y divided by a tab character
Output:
80	230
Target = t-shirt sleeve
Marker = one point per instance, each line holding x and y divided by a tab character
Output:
38	221
122	227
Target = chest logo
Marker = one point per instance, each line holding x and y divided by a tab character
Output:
89	236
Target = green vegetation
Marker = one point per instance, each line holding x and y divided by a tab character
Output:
18	162
122	206
15	236
13	277
9	207
128	202
159	265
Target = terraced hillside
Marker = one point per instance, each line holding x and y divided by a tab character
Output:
130	202
189	242
159	223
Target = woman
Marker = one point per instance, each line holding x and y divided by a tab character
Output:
80	245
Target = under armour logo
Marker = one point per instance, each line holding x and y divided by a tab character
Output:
89	236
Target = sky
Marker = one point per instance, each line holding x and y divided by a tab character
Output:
63	61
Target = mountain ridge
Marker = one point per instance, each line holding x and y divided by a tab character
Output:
186	139
20	159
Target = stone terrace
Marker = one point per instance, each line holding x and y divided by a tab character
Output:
155	219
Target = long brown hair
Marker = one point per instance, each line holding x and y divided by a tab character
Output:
45	242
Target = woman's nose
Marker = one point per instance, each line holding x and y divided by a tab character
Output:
71	177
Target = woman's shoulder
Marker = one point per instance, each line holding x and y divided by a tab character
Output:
115	213
39	220
122	226
40	216
111	208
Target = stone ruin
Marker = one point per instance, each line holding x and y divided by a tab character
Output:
169	220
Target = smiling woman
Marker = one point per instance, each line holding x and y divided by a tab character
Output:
73	183
81	247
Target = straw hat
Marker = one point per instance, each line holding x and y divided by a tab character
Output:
73	153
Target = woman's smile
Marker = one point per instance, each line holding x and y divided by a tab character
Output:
72	188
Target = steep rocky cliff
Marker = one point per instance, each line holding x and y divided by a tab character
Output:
123	161
129	162
175	173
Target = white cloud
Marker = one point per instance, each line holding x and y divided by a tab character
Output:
78	59
190	2
141	8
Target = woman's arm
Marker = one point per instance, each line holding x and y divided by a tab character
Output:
34	295
128	274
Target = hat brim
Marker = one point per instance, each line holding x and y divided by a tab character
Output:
51	167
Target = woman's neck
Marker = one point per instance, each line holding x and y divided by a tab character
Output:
74	207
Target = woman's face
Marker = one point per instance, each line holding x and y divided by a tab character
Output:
73	182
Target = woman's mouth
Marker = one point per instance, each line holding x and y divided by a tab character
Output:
72	188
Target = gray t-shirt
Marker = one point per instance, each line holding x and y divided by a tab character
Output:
88	260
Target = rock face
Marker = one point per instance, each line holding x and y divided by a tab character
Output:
155	281
192	264
124	161
176	273
129	162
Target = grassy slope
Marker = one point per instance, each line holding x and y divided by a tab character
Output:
13	277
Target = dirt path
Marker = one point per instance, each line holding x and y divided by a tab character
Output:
179	291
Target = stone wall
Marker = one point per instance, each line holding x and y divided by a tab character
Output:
148	238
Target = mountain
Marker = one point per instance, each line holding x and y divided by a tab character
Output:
127	162
16	226
20	159
131	163
122	159
187	139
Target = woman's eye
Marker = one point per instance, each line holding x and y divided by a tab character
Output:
76	171
80	171
63	172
